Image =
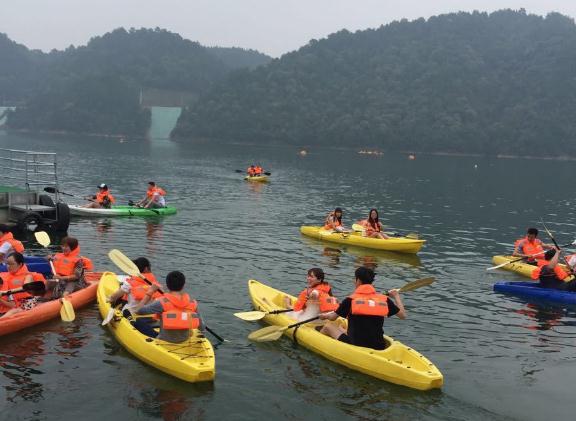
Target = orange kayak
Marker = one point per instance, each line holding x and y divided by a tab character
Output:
51	309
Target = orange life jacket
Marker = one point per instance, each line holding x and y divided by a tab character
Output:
367	302
333	224
251	171
369	227
9	238
258	170
65	264
325	300
16	280
558	270
526	247
102	195
152	191
179	313
139	287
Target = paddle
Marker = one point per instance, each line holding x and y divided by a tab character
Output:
411	235
67	313
131	203
33	288
557	246
54	190
127	266
265	173
272	333
251	316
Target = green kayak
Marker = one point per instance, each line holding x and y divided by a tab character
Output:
121	211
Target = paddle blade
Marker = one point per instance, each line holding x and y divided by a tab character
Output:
267	334
250	316
36	288
42	238
50	190
417	284
67	311
358	227
108	317
123	262
413	235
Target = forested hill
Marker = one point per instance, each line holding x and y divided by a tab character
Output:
95	88
475	83
238	58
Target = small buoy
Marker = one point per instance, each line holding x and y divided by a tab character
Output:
475	166
303	152
411	157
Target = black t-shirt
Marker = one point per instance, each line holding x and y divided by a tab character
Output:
366	331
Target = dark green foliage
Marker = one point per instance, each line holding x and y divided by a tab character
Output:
96	88
238	58
479	83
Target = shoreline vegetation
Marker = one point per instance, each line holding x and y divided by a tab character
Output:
464	84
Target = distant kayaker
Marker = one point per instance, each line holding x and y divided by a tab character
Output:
101	200
553	276
8	244
17	275
334	221
178	312
254	171
365	310
155	197
315	298
372	226
133	290
69	268
529	246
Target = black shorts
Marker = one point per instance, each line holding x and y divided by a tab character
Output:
345	338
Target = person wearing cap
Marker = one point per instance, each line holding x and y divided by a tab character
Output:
154	197
334	221
101	200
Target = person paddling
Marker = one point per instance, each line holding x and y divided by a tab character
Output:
178	312
530	245
8	244
553	276
70	267
101	200
372	226
333	221
134	290
155	197
17	275
315	298
365	310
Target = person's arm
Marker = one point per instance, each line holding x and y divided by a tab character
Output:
554	261
395	295
155	307
517	249
76	275
143	303
343	310
7	303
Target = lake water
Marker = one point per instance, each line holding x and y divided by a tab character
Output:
502	357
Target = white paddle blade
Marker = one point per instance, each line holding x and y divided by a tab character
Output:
250	316
43	238
123	262
108	317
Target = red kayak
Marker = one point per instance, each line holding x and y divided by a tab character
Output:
51	309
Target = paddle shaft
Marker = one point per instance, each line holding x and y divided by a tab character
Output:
28	287
557	246
53	190
300	323
131	203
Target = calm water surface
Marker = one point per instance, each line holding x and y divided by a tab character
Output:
502	357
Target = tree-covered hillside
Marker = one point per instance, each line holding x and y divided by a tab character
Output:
482	83
96	88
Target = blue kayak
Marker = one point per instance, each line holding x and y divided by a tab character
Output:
534	290
34	264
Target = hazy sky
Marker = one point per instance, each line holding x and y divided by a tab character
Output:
270	26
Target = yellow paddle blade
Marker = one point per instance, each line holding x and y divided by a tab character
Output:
267	334
417	284
123	262
67	311
43	238
250	316
357	227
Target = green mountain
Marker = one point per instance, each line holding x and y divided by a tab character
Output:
96	88
475	83
238	58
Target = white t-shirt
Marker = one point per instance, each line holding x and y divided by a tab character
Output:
127	289
159	199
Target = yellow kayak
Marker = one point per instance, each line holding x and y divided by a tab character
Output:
191	361
397	244
396	364
257	178
519	267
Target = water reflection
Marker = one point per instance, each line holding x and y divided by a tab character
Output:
19	360
542	318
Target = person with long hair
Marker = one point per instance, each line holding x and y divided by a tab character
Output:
372	226
333	221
